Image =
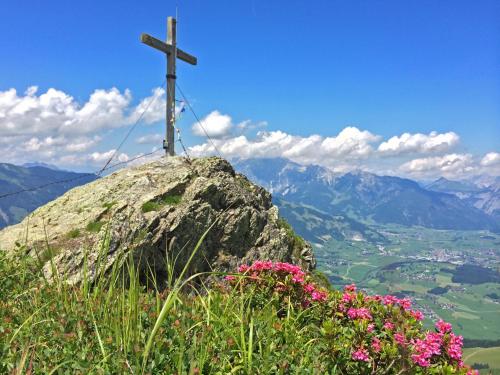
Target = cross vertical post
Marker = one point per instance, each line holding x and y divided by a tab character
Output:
169	143
172	53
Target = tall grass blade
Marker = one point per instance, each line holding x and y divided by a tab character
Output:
172	296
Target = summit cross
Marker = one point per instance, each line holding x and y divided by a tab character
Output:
172	52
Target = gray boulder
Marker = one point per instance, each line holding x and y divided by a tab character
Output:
156	213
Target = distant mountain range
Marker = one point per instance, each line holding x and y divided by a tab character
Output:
319	203
359	199
40	164
478	192
14	208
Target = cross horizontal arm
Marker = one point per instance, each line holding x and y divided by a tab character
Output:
167	48
184	56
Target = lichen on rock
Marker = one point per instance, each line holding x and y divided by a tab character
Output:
157	211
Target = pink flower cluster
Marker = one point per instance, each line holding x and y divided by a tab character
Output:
259	266
376	345
361	355
350	288
405	303
390	300
454	348
455	343
417	315
443	327
430	347
400	339
284	269
389	325
362	313
425	348
434	342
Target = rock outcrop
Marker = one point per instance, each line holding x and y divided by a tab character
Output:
154	213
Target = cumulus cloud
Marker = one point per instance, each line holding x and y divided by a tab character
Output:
51	126
215	124
93	159
152	108
150	139
491	159
104	156
450	165
419	143
349	145
350	141
57	112
82	144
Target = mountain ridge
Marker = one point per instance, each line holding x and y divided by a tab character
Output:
366	197
14	178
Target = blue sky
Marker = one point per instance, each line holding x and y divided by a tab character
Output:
298	67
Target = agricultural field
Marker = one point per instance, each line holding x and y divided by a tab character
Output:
453	275
481	356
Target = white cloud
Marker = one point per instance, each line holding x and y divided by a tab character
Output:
104	156
350	145
215	124
350	141
248	125
51	126
154	106
491	159
450	165
419	143
82	144
30	91
42	144
93	159
150	139
55	112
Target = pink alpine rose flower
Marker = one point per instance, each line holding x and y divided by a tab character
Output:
390	300
376	345
350	288
417	314
361	355
389	325
405	303
454	349
443	327
348	297
400	339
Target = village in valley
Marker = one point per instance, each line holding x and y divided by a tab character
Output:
448	274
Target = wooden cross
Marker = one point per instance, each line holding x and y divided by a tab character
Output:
172	52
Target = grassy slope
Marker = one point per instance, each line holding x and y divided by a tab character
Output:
105	329
116	326
491	356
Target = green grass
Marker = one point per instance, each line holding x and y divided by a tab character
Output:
94	226
298	242
115	325
150	206
74	233
123	327
108	205
156	205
